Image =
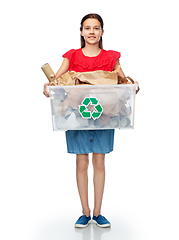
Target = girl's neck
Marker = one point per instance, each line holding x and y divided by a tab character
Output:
91	50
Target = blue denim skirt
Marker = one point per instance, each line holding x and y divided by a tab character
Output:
88	141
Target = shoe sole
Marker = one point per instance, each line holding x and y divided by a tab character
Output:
81	225
103	225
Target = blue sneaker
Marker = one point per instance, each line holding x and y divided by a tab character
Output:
83	221
101	221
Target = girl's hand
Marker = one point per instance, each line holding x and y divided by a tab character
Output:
45	92
123	80
135	82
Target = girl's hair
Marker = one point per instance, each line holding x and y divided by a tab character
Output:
99	18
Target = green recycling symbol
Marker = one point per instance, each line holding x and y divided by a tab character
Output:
83	109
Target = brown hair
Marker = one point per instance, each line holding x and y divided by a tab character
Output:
99	18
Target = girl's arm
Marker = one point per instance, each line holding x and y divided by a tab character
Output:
122	75
62	70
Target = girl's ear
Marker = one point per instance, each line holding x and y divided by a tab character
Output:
102	33
82	34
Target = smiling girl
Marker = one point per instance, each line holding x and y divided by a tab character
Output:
90	57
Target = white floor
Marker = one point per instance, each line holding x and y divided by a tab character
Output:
56	229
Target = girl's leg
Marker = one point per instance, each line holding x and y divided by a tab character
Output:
99	180
82	162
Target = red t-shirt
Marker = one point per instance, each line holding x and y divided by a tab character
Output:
105	60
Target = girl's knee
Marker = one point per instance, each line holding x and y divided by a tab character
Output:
98	161
82	162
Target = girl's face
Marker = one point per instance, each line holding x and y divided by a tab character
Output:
92	31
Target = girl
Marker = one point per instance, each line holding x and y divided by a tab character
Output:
90	57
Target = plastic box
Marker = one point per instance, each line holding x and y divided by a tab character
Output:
84	107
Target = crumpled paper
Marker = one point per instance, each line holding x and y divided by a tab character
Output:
99	77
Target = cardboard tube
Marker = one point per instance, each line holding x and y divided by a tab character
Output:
48	71
125	122
98	123
114	122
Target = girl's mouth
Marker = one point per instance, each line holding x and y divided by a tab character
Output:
92	37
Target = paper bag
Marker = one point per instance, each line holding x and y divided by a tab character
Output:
93	78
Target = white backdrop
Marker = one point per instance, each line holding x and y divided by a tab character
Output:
37	176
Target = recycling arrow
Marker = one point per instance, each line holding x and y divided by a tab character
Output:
83	109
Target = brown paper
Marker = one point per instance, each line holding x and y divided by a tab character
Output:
48	71
93	78
97	78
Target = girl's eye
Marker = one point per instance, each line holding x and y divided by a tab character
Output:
96	28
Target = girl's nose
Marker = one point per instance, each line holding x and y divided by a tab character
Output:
92	30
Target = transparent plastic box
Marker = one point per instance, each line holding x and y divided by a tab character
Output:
89	107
